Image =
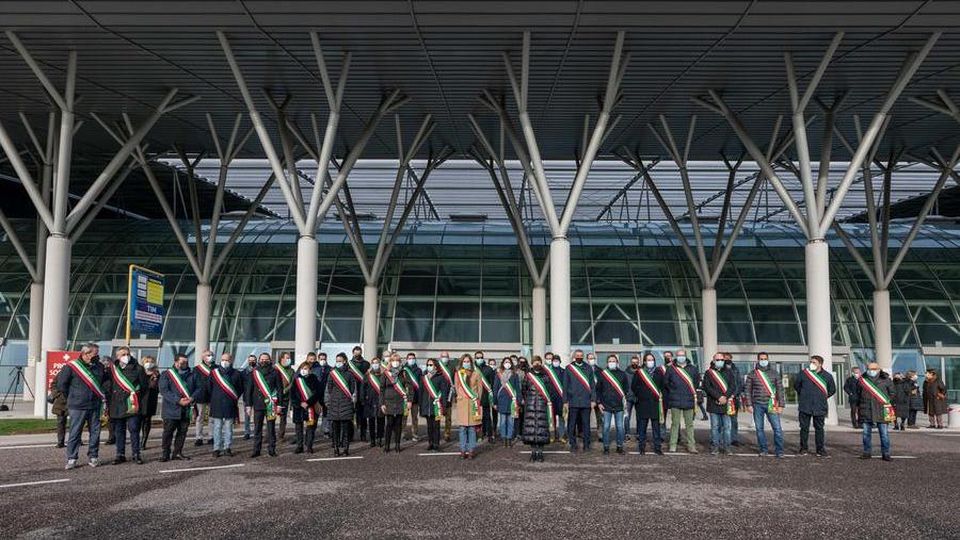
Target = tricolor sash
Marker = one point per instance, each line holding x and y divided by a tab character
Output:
554	380
269	394
286	377
612	381
685	377
769	388
355	371
133	400
412	376
395	383
817	380
538	383
83	372
341	381
878	394
203	369
731	408
484	381
445	371
225	385
181	389
652	385
306	395
514	410
435	396
471	395
374	382
579	374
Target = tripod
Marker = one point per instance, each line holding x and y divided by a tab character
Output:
12	393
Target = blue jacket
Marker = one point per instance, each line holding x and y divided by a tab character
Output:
171	409
502	395
221	404
607	395
810	398
79	395
678	394
575	394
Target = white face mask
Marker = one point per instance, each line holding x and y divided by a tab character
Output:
375	367
612	365
225	364
124	359
556	363
444	359
814	367
592	361
649	364
149	365
304	372
430	368
339	365
285	362
507	365
395	363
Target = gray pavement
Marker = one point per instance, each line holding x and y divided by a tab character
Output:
500	494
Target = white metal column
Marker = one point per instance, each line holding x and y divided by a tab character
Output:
34	337
202	319
306	317
56	298
539	319
883	336
819	327
560	297
371	320
708	298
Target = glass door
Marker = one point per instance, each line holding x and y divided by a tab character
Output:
951	378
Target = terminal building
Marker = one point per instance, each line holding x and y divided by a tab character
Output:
512	177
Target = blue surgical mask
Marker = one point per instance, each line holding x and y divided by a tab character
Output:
718	364
649	364
467	365
873	372
681	360
764	363
430	368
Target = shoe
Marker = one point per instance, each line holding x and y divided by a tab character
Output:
182	457
714	452
373	443
673	449
864	456
309	449
692	451
94	462
209	441
71	464
658	452
735	443
763	453
216	453
642	451
298	450
606	451
823	454
346	451
110	441
620	450
533	456
137	460
246	437
119	459
255	455
778	455
803	452
398	449
229	452
61	445
886	457
336	451
165	458
198	442
272	453
472	455
463	455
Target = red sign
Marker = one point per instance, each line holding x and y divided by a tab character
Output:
56	361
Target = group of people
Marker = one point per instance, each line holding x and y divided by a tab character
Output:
379	401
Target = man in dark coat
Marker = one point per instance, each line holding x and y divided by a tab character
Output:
262	392
737	380
370	400
340	403
303	402
718	390
127	389
764	389
434	402
916	399
849	388
285	375
85	386
873	393
248	368
579	397
555	375
201	408
814	386
486	374
647	387
612	384
226	385
150	400
358	367
321	368
680	383
178	393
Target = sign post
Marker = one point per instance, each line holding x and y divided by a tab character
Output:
144	302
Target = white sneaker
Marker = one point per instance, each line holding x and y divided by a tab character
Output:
71	464
94	462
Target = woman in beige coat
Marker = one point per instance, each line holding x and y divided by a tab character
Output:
466	406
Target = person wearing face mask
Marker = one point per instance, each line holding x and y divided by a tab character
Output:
647	387
285	373
662	368
304	394
341	399
178	392
506	400
226	387
850	388
83	382
597	413
538	401
555	375
718	391
612	385
434	400
358	367
934	399
446	369
580	397
631	399
321	368
151	394
128	382
873	393
916	399
370	394
467	413
486	374
248	418
414	374
394	401
901	402
733	374
764	389
680	384
814	386
201	408
263	395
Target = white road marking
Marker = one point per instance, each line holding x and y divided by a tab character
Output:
203	468
439	454
335	458
61	480
904	457
548	451
24	446
758	455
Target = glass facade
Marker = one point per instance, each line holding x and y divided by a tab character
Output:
466	283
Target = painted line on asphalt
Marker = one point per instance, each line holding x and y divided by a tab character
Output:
427	454
758	455
335	458
905	457
211	468
25	446
548	452
37	483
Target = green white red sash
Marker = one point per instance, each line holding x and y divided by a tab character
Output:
471	395
554	380
731	407
355	371
374	382
445	370
181	389
483	379
305	393
203	369
133	400
769	389
580	376
514	411
83	372
612	381
225	385
341	381
687	380
269	395
399	389
878	394
435	396
286	377
538	383
652	385
413	377
817	380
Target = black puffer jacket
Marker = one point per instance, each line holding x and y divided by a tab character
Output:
338	405
536	421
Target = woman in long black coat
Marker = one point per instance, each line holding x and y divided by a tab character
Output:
148	405
370	401
901	401
537	397
340	403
